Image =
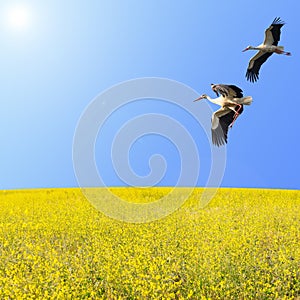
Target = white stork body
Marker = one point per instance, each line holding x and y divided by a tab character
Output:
231	101
266	49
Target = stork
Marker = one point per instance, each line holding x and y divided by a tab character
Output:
231	100
266	49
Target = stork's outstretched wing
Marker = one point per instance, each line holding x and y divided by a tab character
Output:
221	120
272	34
255	63
227	90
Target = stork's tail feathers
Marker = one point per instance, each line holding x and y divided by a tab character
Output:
280	48
245	100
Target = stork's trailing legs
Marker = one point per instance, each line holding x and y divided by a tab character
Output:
278	51
235	115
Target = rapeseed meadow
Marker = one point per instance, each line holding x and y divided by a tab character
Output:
244	245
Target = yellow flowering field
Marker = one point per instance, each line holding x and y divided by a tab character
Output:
245	244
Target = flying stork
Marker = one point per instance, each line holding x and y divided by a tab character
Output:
266	49
231	100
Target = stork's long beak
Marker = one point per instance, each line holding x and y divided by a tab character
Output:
200	98
245	49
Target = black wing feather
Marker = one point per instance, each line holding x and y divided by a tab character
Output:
276	30
225	121
239	92
253	73
223	89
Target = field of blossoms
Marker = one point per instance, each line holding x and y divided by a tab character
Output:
245	244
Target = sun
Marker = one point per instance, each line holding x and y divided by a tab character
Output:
18	17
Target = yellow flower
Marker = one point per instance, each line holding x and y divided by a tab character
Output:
243	245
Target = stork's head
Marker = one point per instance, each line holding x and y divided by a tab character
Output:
247	48
204	96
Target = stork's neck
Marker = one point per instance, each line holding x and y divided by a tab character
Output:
259	47
215	100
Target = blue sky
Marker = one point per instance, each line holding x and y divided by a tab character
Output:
72	51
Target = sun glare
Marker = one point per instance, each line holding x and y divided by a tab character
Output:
18	17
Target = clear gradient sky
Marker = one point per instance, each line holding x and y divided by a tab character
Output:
64	53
